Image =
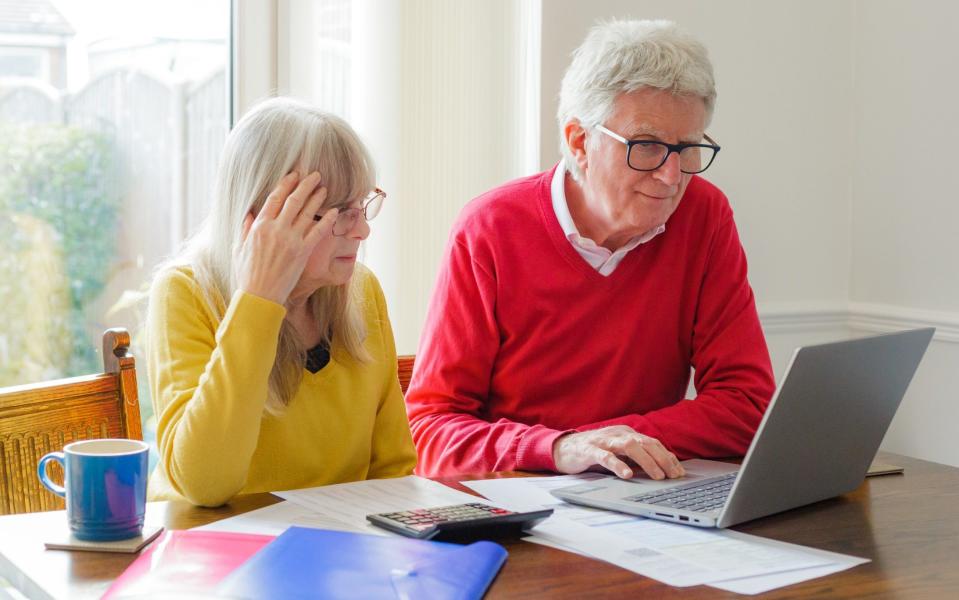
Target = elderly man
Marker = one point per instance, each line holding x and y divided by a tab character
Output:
571	305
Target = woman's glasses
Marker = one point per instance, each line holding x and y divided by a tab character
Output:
347	217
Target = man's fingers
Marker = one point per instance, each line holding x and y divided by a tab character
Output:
610	461
619	449
663	457
678	469
636	451
274	202
654	459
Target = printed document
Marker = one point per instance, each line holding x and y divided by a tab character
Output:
675	554
351	502
277	518
343	506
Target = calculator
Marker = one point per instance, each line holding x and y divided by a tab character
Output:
459	522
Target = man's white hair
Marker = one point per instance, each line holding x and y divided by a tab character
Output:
622	56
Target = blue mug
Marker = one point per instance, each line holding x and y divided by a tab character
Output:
105	487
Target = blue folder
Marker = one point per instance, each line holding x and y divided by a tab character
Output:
318	563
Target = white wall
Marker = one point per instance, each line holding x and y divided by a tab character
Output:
906	223
905	236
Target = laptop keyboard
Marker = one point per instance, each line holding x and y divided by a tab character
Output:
703	495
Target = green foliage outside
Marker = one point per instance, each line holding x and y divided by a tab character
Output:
59	209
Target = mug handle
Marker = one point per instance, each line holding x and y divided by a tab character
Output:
42	473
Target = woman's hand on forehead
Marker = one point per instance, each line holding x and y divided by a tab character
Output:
277	242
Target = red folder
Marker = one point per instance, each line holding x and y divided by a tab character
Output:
186	561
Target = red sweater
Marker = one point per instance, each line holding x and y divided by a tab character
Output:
525	341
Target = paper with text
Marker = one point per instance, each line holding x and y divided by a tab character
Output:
276	518
675	554
351	502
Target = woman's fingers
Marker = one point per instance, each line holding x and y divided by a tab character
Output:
322	228
311	210
277	243
247	225
298	197
276	199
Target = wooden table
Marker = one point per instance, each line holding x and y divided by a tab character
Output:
907	524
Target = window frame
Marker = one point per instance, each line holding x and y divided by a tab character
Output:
253	54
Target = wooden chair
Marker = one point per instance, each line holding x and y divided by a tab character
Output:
44	417
404	368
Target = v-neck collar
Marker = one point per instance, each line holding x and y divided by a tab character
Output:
338	356
562	245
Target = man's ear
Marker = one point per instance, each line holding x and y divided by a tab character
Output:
575	136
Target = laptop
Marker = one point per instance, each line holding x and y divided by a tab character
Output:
820	432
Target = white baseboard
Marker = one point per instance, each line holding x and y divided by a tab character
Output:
856	316
883	317
788	318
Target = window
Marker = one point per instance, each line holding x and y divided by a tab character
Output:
112	117
24	62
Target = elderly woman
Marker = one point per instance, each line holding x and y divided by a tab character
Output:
271	359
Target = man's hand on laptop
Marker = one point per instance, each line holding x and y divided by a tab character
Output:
607	447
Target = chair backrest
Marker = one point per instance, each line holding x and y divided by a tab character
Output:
44	417
404	368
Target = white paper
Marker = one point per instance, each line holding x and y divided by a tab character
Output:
528	492
343	506
350	502
675	554
764	583
751	585
276	518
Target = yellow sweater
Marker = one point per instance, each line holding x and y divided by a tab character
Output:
208	381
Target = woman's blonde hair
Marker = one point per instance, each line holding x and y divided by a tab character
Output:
275	137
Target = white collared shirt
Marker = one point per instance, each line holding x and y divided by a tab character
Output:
598	257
